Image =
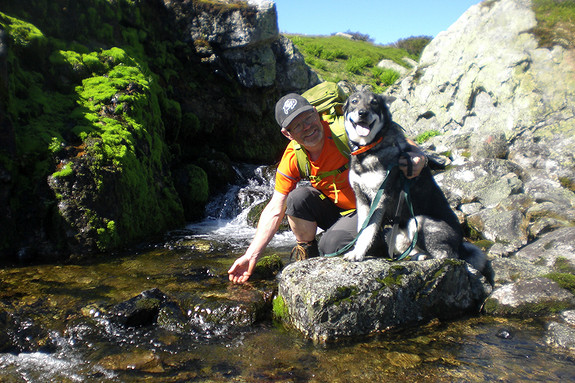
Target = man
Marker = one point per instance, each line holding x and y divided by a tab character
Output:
329	203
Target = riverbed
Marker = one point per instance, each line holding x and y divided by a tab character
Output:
57	318
470	350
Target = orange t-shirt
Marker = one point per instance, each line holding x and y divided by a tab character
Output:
337	187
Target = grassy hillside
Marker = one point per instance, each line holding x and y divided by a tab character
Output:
555	23
337	58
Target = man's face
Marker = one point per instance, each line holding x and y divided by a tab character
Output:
306	129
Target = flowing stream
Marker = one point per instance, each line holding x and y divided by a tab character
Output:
58	325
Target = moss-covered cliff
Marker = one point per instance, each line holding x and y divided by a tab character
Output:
102	102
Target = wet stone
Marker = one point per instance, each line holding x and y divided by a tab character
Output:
141	310
140	360
22	335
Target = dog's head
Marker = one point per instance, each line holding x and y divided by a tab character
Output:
366	115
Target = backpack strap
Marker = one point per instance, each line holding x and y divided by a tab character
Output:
339	135
303	164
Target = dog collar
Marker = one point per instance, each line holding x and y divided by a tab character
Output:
363	149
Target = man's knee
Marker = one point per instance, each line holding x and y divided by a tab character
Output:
334	240
298	199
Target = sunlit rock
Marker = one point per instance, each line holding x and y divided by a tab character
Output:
330	298
529	298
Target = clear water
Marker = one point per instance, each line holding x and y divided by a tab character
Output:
193	262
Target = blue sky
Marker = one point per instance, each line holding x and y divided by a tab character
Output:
385	21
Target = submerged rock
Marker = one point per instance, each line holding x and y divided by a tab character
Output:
22	335
142	310
142	360
330	298
562	334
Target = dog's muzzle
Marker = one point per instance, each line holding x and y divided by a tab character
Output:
362	128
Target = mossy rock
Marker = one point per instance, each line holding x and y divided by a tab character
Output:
191	183
268	267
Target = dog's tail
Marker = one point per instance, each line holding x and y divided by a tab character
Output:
474	256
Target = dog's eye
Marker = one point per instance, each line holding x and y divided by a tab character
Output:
354	100
374	102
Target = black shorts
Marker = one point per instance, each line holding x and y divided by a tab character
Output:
308	203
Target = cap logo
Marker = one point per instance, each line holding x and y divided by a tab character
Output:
289	105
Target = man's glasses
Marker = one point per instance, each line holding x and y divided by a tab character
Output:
306	122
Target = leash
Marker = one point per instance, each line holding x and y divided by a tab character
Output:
404	196
372	208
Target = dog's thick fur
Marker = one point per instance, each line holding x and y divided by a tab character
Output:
367	118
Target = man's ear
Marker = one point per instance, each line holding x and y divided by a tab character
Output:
287	134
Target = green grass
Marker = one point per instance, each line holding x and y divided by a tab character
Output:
337	58
555	23
425	136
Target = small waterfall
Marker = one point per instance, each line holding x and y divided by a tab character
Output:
227	213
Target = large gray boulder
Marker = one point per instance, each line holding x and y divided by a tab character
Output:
503	108
487	75
242	40
330	298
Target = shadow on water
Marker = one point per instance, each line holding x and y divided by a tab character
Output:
58	325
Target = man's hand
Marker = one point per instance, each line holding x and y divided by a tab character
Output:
418	162
242	269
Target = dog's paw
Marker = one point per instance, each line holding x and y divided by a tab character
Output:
354	256
419	257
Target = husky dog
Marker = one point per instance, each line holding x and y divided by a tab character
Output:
377	144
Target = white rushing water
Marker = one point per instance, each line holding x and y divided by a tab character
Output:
227	213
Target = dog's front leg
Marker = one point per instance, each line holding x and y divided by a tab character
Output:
367	236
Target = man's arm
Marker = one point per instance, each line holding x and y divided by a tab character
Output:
268	225
418	160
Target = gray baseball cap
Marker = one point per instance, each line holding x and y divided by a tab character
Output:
289	107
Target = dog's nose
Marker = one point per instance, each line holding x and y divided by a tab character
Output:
362	113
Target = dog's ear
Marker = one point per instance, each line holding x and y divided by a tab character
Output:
385	102
388	100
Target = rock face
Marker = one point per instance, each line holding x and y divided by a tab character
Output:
493	99
118	120
247	41
487	74
330	298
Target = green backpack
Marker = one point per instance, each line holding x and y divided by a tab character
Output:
328	98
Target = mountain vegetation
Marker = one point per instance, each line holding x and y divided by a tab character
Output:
338	58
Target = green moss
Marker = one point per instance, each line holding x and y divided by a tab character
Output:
279	308
567	183
22	33
528	310
484	244
344	294
121	116
268	267
394	277
425	136
391	280
66	170
565	280
563	265
490	305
